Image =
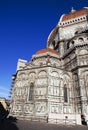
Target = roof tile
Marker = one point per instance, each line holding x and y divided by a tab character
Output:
47	50
76	14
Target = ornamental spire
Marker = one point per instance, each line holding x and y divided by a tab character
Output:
73	10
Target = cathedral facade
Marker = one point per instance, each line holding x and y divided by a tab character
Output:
53	86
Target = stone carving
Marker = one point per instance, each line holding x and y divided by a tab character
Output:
40	108
28	108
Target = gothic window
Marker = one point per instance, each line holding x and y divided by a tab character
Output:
65	94
68	45
31	92
53	43
56	46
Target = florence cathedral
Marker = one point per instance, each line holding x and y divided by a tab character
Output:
54	83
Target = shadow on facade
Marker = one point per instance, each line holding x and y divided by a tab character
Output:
83	121
7	122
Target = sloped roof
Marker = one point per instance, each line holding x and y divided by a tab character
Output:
72	15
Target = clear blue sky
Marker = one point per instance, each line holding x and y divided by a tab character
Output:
24	28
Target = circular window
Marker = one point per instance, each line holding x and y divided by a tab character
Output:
80	39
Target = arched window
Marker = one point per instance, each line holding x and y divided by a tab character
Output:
68	45
31	92
65	94
53	43
58	47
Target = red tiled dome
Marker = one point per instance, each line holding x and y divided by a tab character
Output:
72	15
47	50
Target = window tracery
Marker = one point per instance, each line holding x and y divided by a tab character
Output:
31	92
